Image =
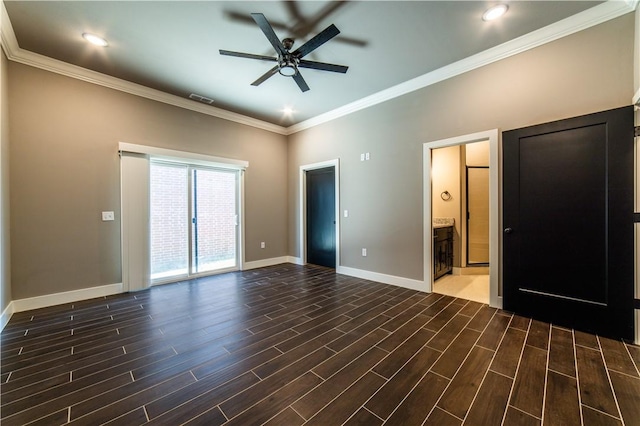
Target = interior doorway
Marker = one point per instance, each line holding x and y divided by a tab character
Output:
430	192
319	225
321	217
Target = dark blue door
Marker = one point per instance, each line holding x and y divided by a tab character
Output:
321	217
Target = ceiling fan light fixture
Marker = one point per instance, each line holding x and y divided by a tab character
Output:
95	40
288	69
495	12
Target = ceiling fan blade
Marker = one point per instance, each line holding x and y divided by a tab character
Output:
301	83
265	76
248	55
322	66
242	17
321	38
329	9
266	28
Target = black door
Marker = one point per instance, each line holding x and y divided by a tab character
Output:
321	217
568	218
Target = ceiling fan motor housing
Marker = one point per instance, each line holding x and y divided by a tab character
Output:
288	65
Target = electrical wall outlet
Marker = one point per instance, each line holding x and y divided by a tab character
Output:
367	156
346	213
362	157
263	245
364	252
108	216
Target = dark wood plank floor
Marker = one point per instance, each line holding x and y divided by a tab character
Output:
293	345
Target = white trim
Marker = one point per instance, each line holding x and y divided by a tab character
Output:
17	54
295	260
382	278
495	300
302	230
65	297
596	15
262	263
6	315
636	98
183	156
581	21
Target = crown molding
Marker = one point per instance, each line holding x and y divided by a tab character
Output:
603	12
573	24
16	54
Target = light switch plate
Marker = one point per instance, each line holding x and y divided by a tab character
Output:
346	213
367	156
107	216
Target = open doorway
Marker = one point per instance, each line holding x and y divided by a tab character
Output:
460	220
446	213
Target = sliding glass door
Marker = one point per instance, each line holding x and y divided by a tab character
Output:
193	220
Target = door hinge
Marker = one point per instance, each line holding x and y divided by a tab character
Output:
636	132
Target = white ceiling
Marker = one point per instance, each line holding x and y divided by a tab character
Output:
172	46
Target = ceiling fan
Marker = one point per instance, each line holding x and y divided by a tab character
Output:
288	62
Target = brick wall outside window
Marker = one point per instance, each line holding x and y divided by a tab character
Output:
169	220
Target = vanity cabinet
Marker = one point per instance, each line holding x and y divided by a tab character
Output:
442	251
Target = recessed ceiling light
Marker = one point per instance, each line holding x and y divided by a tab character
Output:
287	110
94	39
495	12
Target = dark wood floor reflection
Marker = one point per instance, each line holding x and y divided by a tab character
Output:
293	345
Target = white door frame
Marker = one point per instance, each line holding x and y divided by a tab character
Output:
495	299
303	206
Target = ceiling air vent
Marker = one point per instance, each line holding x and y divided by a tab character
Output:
202	99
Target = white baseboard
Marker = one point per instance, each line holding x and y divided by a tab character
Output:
295	260
47	300
383	278
262	263
65	297
6	315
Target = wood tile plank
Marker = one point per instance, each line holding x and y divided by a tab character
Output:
455	354
322	395
528	388
286	417
448	333
491	401
508	356
616	357
439	417
419	403
336	362
196	399
627	392
459	395
363	417
520	418
592	417
538	335
245	399
562	407
561	358
393	392
340	409
492	335
396	359
595	390
277	401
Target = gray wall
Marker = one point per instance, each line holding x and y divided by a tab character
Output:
5	269
65	171
583	73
